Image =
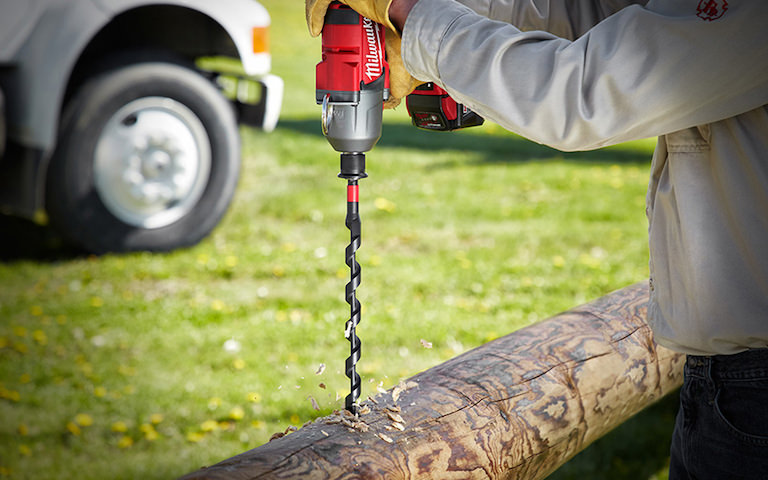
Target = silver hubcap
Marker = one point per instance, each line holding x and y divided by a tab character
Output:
152	162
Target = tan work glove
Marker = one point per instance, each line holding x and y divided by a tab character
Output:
401	82
376	10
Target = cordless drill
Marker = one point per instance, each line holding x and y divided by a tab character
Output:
352	83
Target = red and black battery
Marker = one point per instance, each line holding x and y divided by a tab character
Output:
432	108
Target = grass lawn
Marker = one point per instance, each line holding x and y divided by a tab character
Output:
150	366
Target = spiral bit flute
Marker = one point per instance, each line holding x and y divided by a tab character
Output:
353	169
353	224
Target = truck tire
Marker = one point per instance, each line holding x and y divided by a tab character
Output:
148	159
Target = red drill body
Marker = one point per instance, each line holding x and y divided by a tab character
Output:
352	81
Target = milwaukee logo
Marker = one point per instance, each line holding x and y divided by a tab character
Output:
373	62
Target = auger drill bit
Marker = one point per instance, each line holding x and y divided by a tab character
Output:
353	169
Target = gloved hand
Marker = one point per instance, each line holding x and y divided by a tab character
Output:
376	10
400	81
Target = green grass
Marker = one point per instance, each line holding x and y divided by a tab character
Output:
117	366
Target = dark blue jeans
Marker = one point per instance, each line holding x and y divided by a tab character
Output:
721	430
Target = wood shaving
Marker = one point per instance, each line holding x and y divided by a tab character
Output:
275	436
361	427
365	409
426	344
402	387
324	433
315	406
397	391
394	408
321	385
320	369
372	399
399	426
385	438
395	417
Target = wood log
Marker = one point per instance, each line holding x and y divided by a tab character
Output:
515	408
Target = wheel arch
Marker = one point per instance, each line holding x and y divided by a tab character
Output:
171	32
168	30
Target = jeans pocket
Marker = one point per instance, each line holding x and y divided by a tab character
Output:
742	406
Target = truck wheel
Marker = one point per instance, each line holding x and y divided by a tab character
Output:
148	159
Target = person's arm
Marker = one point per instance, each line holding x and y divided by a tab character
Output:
641	72
564	18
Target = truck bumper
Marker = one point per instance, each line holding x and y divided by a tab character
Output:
259	100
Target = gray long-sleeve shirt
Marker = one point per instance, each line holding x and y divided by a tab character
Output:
578	75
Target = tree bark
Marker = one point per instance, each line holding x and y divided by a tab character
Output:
515	408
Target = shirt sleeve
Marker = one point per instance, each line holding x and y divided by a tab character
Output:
565	18
643	71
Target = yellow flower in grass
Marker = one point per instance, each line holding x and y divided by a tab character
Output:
384	204
40	337
259	424
209	425
156	418
195	437
83	420
149	431
74	429
125	442
237	413
254	397
119	427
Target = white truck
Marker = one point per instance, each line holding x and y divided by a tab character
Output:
119	118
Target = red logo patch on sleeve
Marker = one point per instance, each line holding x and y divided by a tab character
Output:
711	10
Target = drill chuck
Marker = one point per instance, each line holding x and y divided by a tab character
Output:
354	127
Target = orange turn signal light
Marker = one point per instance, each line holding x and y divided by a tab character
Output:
260	39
